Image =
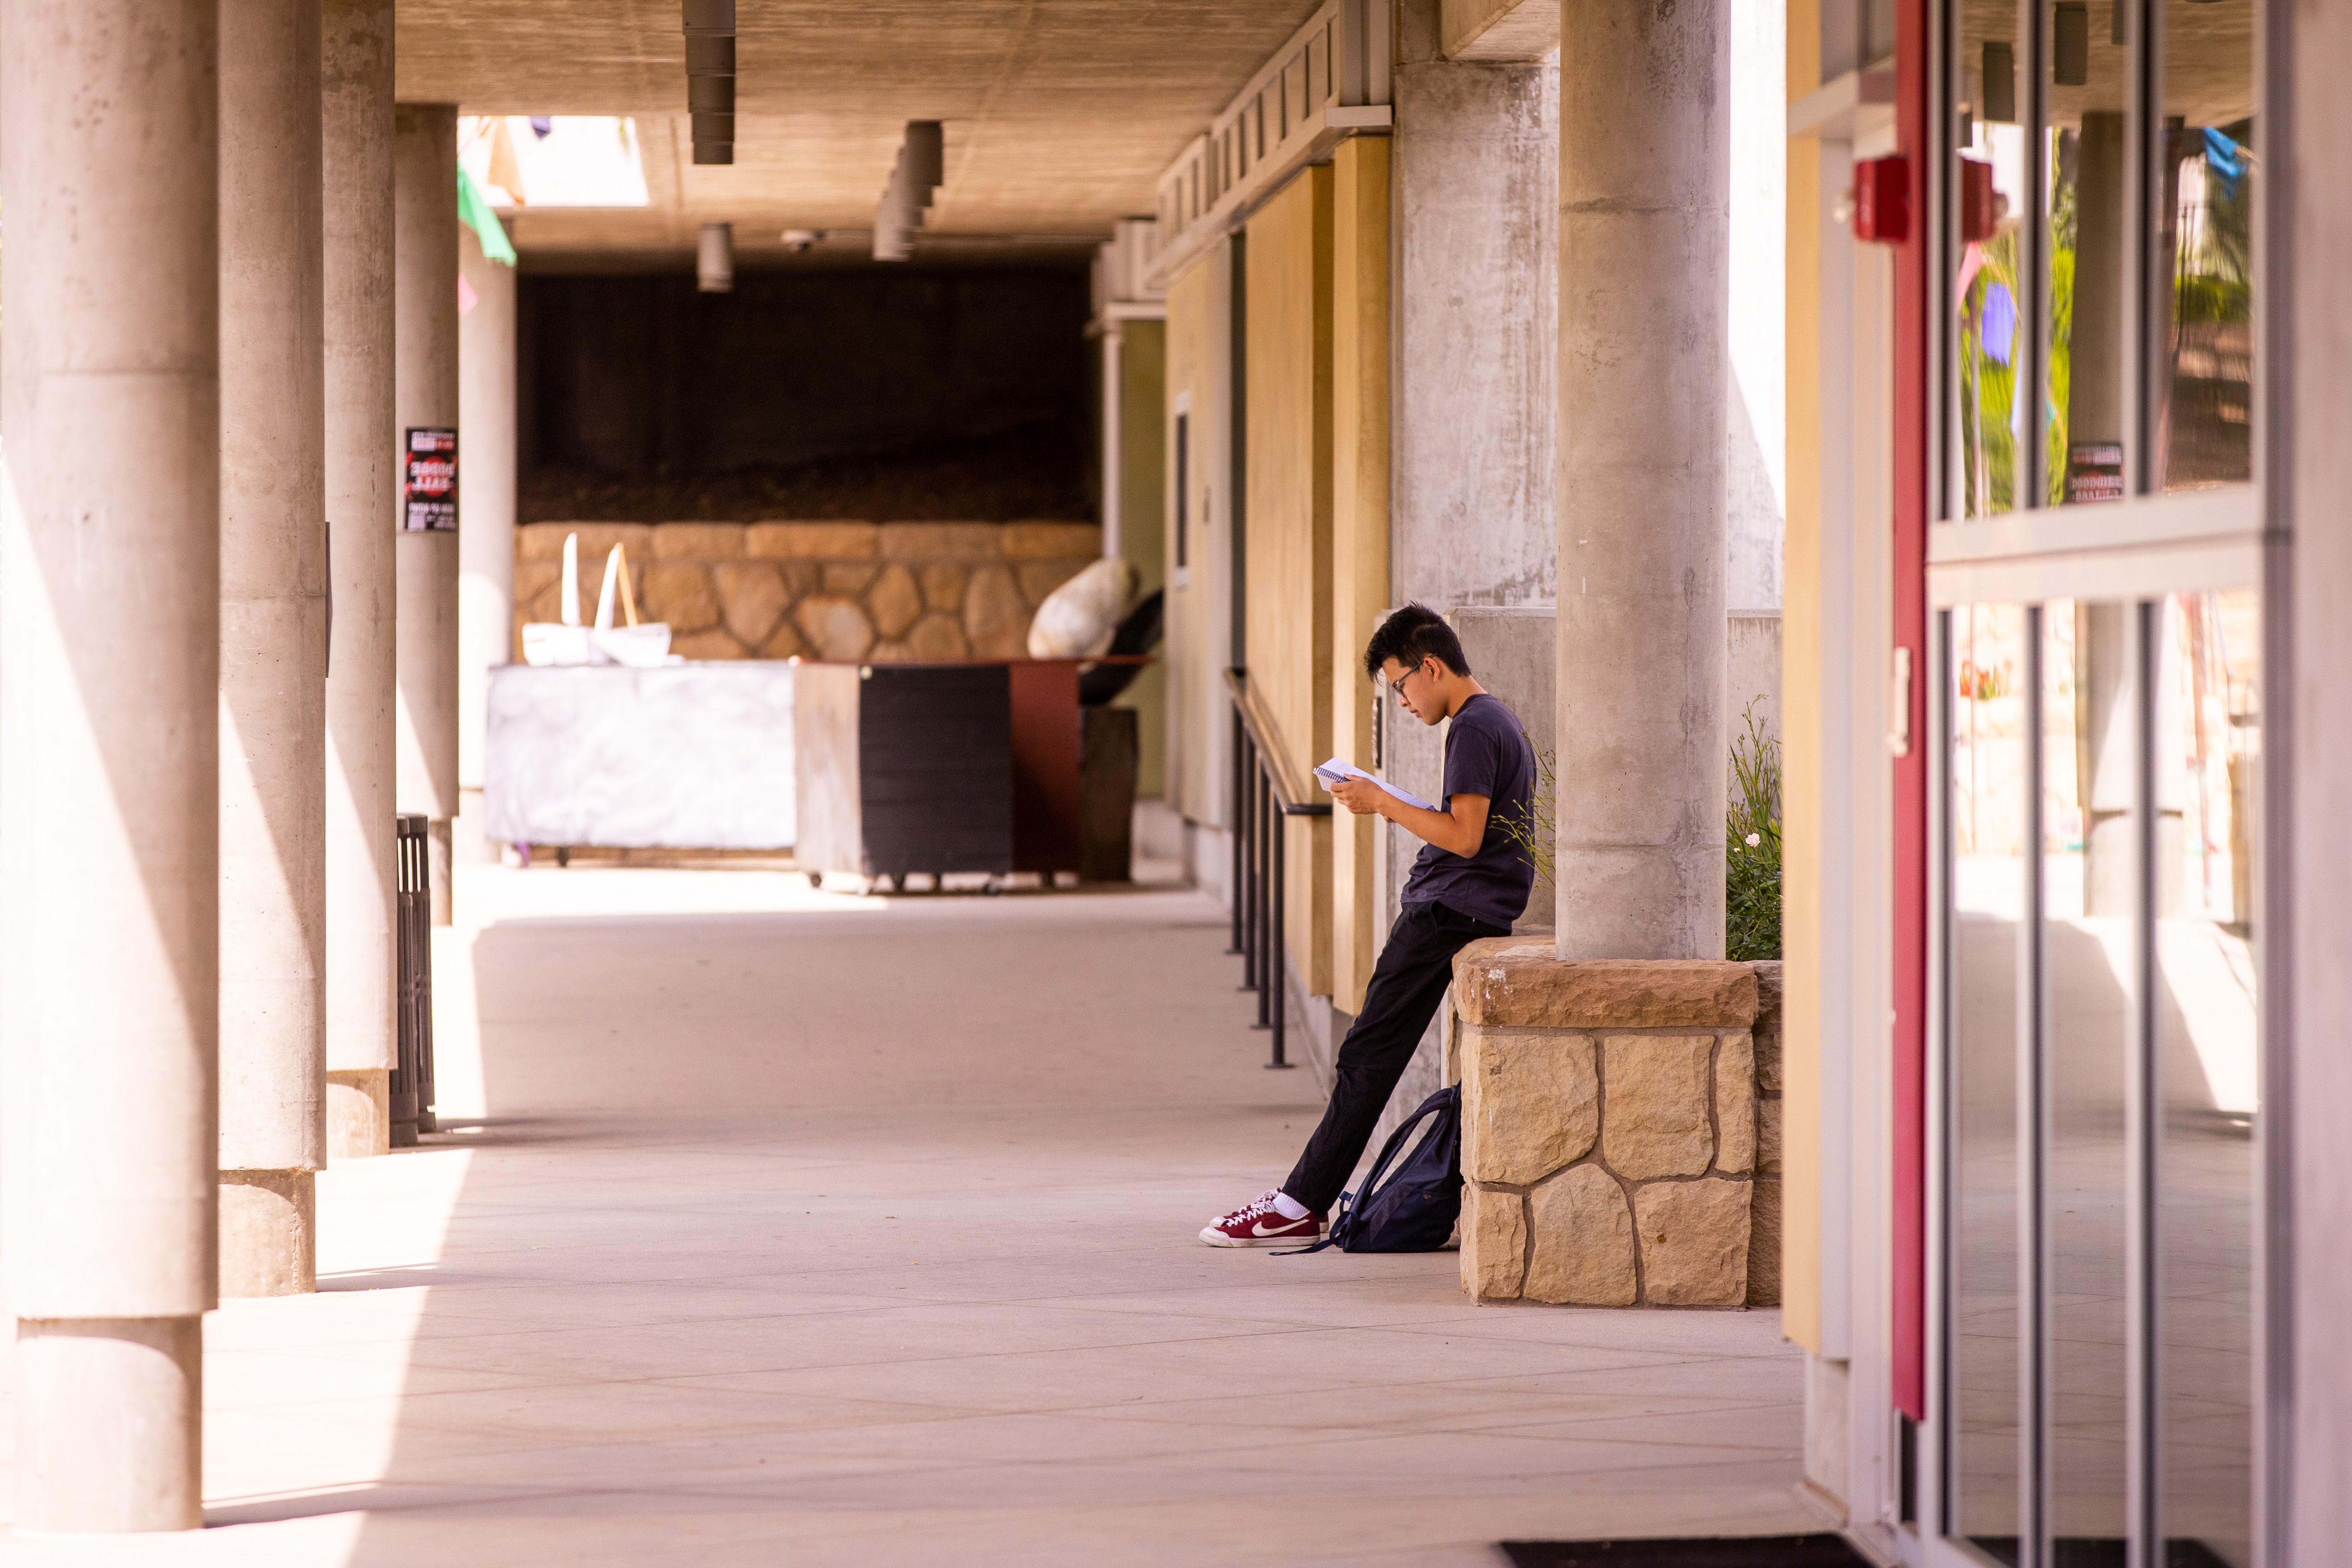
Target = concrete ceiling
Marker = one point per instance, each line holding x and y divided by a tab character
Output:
1060	114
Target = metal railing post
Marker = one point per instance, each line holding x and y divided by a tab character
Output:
1248	894
1267	830
1281	982
1234	819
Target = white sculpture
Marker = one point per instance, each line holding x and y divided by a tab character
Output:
1078	618
640	647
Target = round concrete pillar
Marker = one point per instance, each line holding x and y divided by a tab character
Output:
1644	208
486	501
362	460
424	397
109	758
273	802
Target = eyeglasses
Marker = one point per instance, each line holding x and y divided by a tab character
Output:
1397	685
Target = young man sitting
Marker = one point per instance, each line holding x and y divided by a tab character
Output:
1471	881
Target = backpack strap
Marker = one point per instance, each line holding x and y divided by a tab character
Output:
1398	1142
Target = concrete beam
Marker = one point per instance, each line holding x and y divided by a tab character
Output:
109	760
1644	205
1497	31
273	781
425	396
356	151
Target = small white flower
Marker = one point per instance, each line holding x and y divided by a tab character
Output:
1754	840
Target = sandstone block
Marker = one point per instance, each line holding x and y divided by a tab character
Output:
1048	541
544	541
943	541
1734	1105
802	576
697	541
1039	578
753	598
1764	1245
938	637
1494	1243
1656	1124
1530	1103
712	644
533	578
1768	1135
943	585
1693	1242
812	541
1515	982
1582	1251
784	642
890	651
678	592
995	616
1768	1024
894	601
835	627
849	578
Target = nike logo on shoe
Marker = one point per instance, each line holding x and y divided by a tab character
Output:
1279	1226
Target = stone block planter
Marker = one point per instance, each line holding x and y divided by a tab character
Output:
1614	1132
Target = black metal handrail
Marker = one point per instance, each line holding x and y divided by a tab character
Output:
1267	790
412	1072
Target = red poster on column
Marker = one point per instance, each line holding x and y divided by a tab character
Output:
429	482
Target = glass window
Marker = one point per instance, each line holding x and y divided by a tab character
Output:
2209	746
1988	304
2090	879
2086	177
2204	275
1990	777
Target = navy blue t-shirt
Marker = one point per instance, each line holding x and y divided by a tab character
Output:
1486	753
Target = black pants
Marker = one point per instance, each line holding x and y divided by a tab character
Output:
1408	984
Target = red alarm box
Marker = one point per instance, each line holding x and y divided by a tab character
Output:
1881	200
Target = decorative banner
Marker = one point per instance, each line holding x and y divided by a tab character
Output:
428	488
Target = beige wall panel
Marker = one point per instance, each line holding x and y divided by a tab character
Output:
1289	529
1198	647
1801	722
1142	522
1359	531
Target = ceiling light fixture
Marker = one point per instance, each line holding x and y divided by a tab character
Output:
710	79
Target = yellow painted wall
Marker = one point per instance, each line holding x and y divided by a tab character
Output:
1801	730
1289	529
1142	523
1197	348
1360	529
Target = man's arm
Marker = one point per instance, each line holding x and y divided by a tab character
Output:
1458	830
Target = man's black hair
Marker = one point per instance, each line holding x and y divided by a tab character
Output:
1411	634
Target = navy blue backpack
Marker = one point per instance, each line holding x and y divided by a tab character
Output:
1414	1209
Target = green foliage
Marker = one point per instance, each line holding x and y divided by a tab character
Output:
1536	832
1751	912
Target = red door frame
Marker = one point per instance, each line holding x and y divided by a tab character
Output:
1914	320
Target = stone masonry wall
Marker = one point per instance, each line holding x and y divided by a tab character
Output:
1611	1130
825	590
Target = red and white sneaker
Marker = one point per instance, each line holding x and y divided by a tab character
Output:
1259	1224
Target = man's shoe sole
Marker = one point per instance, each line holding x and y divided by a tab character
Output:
1216	1238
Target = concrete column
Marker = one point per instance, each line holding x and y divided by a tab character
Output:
486	501
273	783
1643	345
425	359
109	758
356	147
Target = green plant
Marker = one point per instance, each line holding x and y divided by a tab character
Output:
1751	827
1535	830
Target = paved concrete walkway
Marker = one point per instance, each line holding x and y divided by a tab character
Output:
825	1231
